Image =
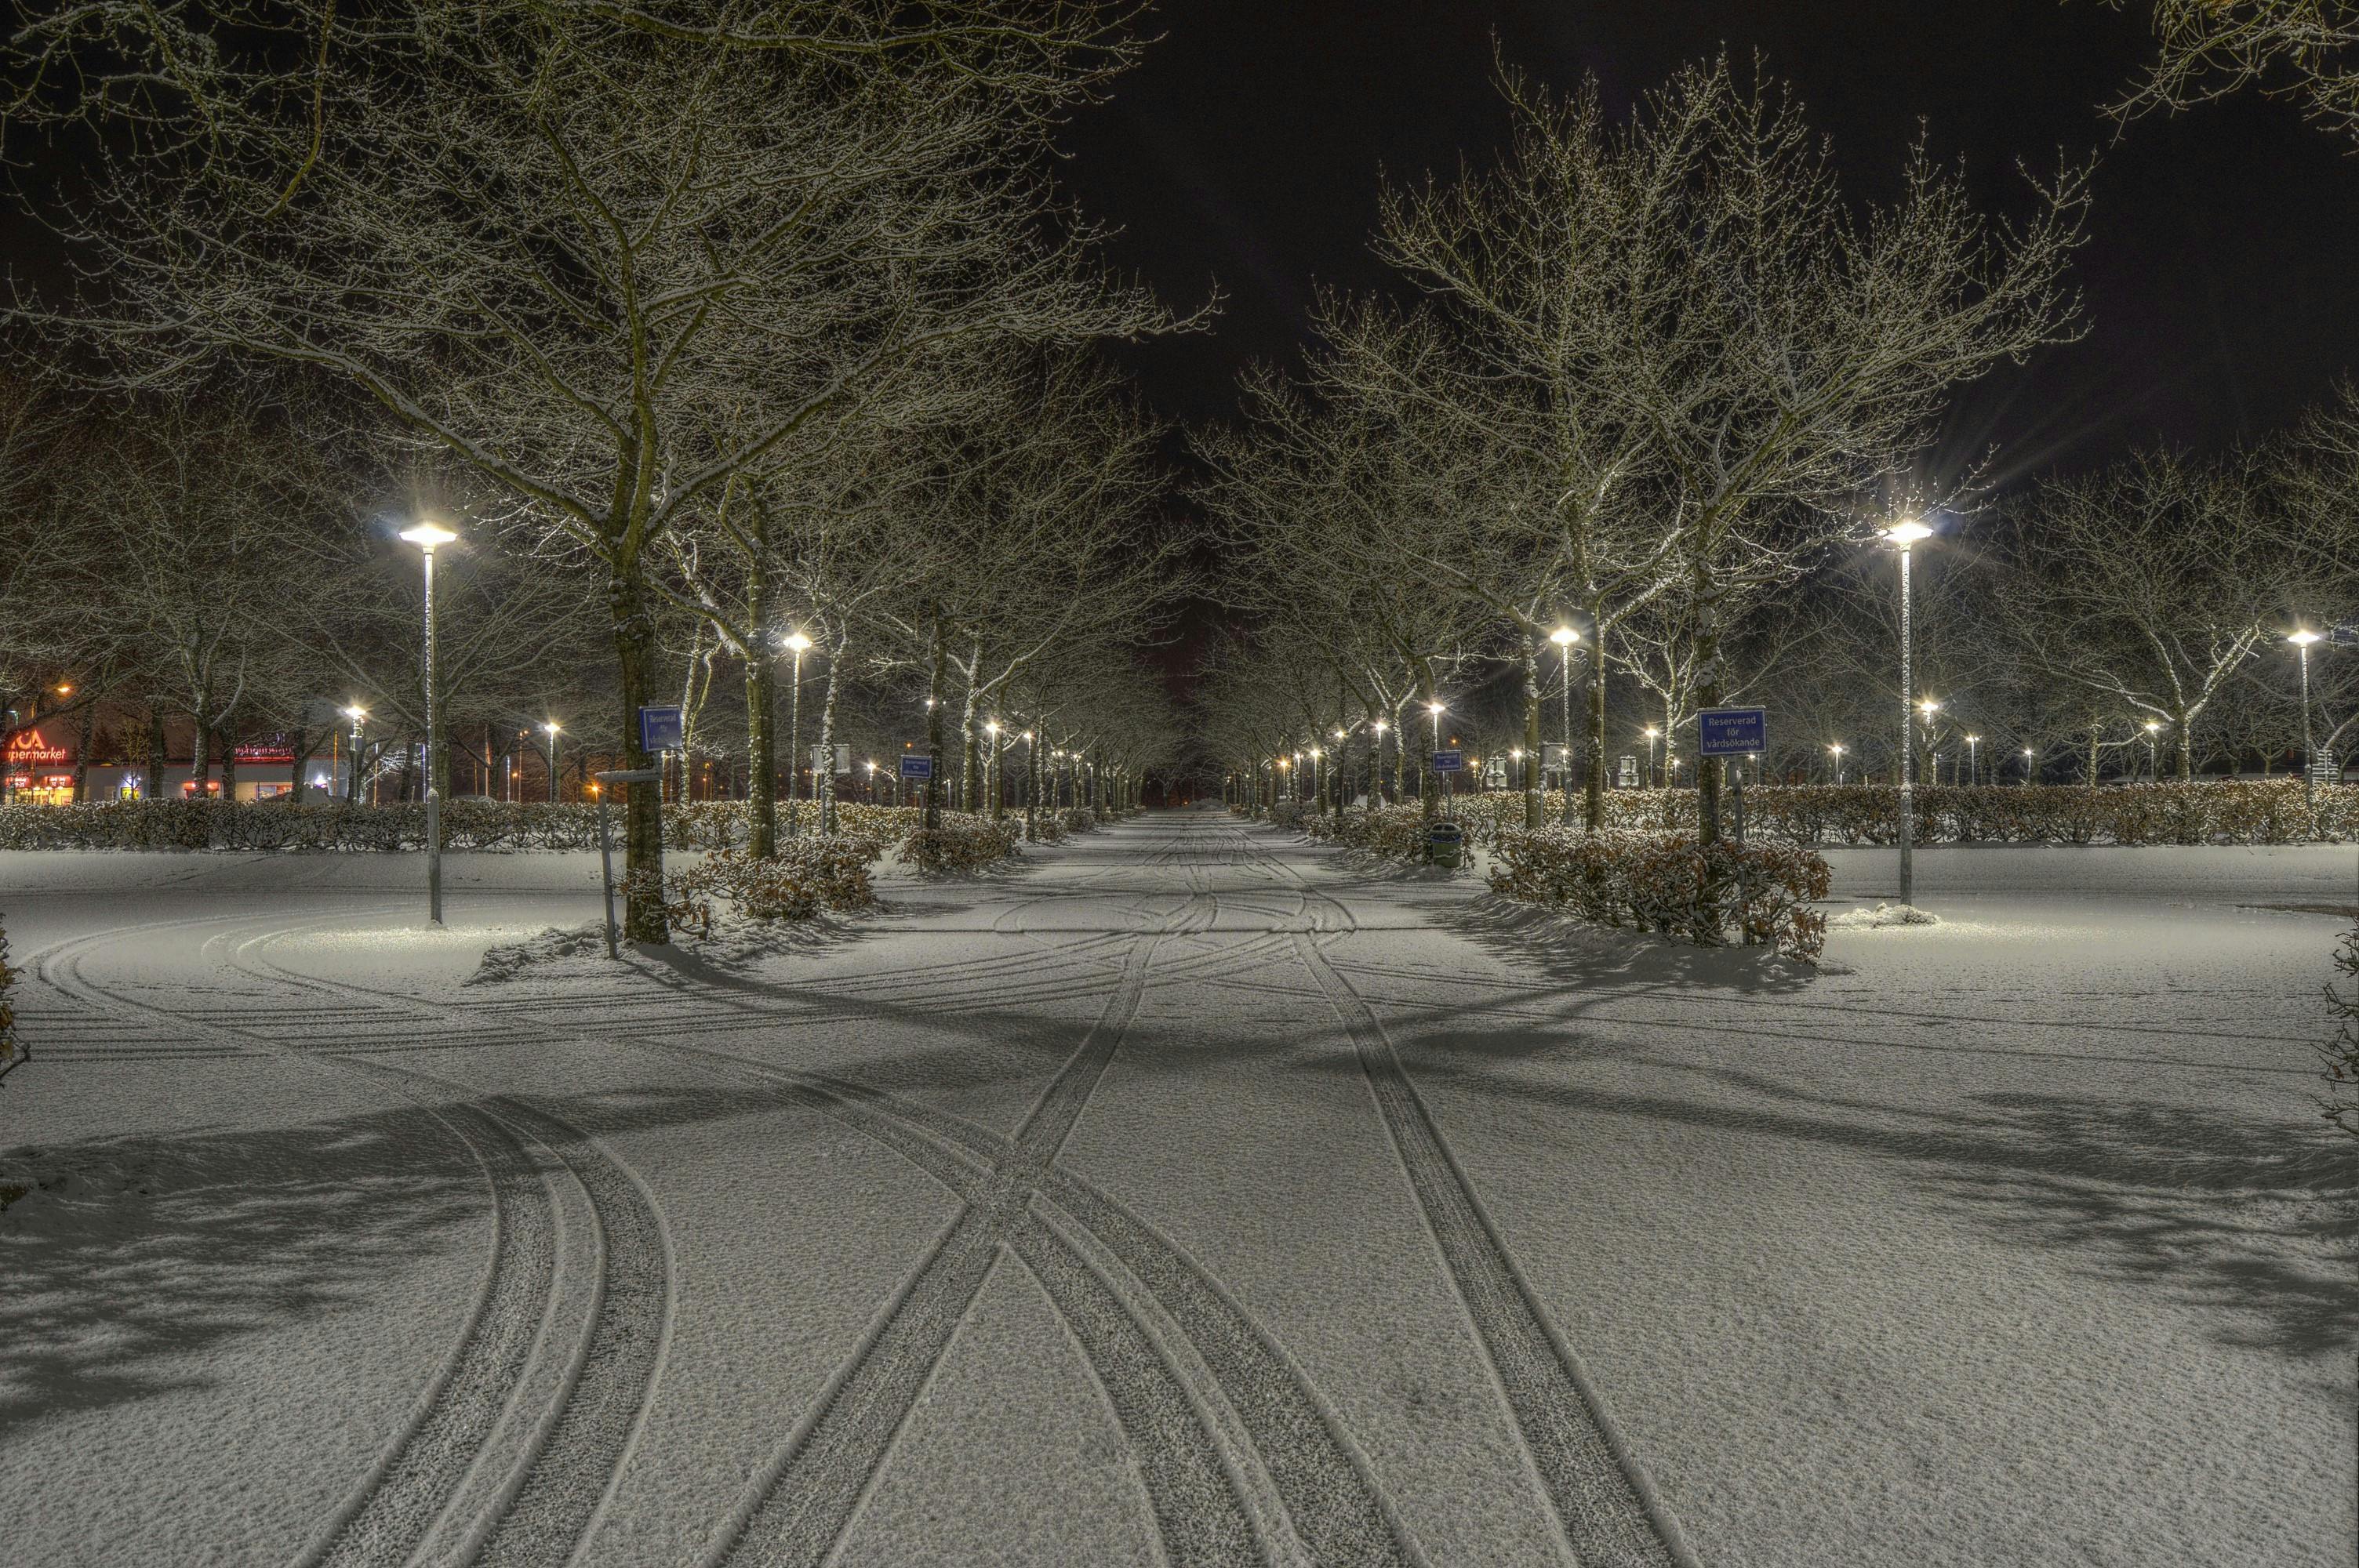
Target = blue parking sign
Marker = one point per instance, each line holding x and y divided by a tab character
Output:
659	729
1449	762
1733	731
916	767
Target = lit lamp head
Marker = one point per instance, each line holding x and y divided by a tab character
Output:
64	689
427	535
356	713
2151	726
1908	533
2303	638
1314	753
1928	707
1836	749
1026	737
1975	739
991	725
796	642
1564	636
1380	726
1433	707
551	728
1652	732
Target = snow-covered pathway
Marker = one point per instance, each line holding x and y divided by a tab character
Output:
1185	1197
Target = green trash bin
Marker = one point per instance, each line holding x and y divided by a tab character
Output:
1445	842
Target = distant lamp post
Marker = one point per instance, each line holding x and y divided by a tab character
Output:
552	728
1654	734
1377	766
1564	637
1902	536
2153	768
2301	640
798	645
1973	761
1836	751
428	537
991	784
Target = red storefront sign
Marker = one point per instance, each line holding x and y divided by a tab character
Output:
275	751
27	749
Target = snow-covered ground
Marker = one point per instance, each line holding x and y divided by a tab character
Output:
1188	1195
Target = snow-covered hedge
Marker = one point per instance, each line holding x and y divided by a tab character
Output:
961	845
1393	832
1078	819
1046	829
2245	811
1666	883
806	876
11	1052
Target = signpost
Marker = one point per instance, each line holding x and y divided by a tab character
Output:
606	783
1733	731
659	729
833	761
916	767
1449	762
1625	772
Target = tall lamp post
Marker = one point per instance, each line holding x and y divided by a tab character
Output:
1434	710
1901	535
2301	641
427	537
1564	637
1835	752
796	643
991	786
1973	761
2153	765
550	729
1652	776
2029	767
1376	767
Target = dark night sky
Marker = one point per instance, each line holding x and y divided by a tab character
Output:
1247	148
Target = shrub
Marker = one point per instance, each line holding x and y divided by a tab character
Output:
1391	832
2340	1055
960	846
11	1052
1079	820
1045	829
806	876
1289	815
1666	883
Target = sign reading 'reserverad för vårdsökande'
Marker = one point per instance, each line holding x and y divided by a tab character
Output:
1733	731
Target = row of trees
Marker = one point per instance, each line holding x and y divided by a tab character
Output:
721	320
1655	384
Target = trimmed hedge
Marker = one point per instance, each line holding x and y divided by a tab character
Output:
1666	883
961	845
2223	812
807	876
12	1052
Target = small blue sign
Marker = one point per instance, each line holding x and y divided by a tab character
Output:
2344	636
916	767
1449	762
659	728
1733	731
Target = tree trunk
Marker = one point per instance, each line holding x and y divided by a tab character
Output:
970	750
823	778
229	766
298	755
634	659
1710	770
200	759
154	788
938	662
1593	782
1535	803
81	755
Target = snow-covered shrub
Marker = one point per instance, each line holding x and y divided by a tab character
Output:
1391	832
1078	819
806	876
2340	1055
961	845
1666	883
1289	815
11	1050
1045	829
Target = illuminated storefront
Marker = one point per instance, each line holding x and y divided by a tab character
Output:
38	771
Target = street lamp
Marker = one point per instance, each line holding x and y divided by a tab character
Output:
1377	766
990	785
1564	637
1901	535
427	537
1652	733
550	729
2301	640
1973	764
2027	767
796	644
2153	770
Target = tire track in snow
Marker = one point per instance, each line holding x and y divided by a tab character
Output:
382	1521
552	1504
814	1490
1605	1505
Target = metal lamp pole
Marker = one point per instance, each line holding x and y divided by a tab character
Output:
426	536
2153	764
796	642
359	716
1902	535
550	729
2301	641
1836	752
